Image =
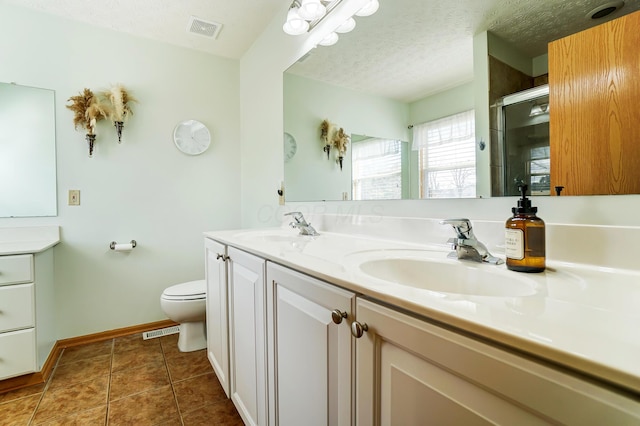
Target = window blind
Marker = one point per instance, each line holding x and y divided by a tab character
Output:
377	169
447	156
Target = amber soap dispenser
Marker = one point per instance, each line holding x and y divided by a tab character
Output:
524	237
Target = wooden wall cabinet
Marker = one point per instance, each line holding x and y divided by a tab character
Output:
594	80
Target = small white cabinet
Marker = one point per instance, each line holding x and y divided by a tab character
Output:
217	310
411	372
27	326
247	336
311	353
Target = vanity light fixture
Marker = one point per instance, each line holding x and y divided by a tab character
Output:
304	15
329	40
369	9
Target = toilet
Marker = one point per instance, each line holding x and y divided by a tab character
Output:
185	304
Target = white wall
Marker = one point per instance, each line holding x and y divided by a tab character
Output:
143	189
309	175
442	104
262	114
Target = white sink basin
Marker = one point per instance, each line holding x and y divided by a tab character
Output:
449	276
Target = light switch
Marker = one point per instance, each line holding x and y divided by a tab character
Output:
74	197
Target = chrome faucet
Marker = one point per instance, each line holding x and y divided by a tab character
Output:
466	245
300	223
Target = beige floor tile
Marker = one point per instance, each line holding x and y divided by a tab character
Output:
198	391
219	413
91	417
148	408
136	358
80	371
72	399
21	393
135	380
91	350
19	411
132	342
170	345
188	364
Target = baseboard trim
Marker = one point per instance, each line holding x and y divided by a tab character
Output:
111	334
43	375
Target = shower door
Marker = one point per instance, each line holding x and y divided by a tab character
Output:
524	126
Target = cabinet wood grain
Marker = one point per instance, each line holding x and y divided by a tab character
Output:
594	80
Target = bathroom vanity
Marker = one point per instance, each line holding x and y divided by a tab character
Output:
27	318
348	329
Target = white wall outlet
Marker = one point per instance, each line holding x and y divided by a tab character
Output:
74	197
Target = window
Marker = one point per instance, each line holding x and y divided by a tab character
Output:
377	169
446	156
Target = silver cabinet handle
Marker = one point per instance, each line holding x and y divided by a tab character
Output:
223	257
337	316
358	330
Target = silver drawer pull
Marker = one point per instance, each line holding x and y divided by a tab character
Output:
337	316
358	330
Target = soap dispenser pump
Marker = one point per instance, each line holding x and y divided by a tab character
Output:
525	237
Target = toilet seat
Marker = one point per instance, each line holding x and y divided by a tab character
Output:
192	290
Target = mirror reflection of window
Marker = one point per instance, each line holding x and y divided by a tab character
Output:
447	156
377	169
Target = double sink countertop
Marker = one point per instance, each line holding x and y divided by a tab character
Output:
584	318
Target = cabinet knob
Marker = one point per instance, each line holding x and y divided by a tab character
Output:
357	329
337	316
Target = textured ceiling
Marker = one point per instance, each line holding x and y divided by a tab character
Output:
413	48
407	50
166	20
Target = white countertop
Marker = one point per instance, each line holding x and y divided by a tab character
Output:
28	239
584	318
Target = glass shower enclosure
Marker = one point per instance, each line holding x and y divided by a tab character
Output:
523	124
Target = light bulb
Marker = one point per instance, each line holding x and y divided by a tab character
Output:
329	40
369	9
295	25
311	10
346	26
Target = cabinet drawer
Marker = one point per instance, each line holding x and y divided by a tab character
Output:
16	307
16	269
17	353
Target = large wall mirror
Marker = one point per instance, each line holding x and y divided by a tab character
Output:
27	151
413	62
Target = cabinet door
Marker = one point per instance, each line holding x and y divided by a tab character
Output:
217	323
247	333
410	372
17	353
312	353
593	91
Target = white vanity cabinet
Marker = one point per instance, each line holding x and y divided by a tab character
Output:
305	349
27	333
411	372
247	336
217	310
311	349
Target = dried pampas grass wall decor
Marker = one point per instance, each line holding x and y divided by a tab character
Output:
117	101
333	137
340	142
327	130
87	111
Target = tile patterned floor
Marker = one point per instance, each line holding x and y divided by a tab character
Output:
124	381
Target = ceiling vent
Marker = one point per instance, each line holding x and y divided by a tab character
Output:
605	9
203	28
